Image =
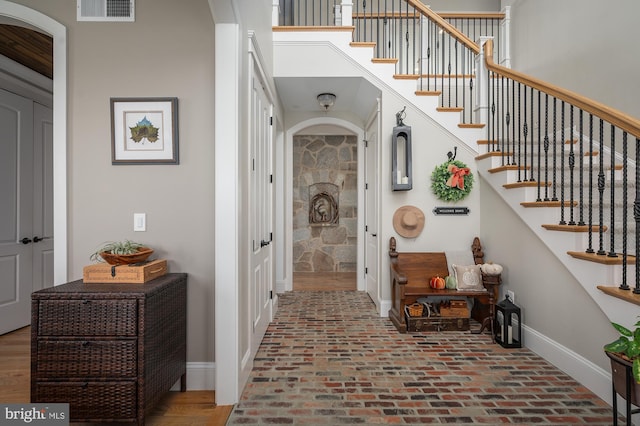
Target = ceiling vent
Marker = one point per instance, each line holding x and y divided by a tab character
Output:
106	10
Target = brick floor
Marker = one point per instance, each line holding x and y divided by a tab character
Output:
327	358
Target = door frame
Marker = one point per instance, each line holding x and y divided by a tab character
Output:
286	175
59	34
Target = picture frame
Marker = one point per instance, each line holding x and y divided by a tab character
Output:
144	131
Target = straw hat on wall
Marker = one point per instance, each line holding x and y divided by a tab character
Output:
408	221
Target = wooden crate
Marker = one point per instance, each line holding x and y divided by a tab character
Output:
437	323
130	274
454	309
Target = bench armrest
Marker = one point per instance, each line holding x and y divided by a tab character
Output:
397	274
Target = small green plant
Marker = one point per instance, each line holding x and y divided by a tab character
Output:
116	247
628	344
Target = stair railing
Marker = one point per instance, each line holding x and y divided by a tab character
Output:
568	148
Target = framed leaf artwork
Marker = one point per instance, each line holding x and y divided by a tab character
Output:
144	131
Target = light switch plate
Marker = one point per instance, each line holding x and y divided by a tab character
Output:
139	222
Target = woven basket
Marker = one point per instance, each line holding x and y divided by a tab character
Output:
415	310
127	259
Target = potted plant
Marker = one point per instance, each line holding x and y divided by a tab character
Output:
121	253
624	353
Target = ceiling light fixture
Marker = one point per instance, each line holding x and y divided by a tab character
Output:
326	100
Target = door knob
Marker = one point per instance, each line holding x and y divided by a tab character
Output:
25	240
36	239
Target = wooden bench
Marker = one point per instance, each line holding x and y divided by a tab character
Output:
410	275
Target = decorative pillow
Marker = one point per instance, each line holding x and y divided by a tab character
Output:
468	277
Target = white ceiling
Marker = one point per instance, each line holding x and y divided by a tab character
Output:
354	95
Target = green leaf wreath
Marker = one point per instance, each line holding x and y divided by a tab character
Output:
451	181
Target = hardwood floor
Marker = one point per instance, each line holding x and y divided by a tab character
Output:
324	281
177	408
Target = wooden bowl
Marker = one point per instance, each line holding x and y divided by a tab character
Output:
126	259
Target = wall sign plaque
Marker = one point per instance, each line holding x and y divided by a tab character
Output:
450	210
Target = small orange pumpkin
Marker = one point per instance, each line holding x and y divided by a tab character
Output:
437	282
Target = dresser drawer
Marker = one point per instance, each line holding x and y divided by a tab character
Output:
87	317
91	401
89	358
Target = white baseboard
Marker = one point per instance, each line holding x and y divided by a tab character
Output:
590	375
200	376
385	307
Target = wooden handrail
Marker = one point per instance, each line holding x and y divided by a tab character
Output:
453	15
453	31
467	15
617	118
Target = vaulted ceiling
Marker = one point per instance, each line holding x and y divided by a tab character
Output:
27	47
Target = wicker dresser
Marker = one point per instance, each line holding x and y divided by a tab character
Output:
109	350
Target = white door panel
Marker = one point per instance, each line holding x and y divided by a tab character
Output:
261	216
371	214
16	210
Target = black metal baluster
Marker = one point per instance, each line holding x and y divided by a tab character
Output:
502	120
590	211
531	179
636	216
562	142
491	120
507	120
471	98
546	147
572	163
625	217
519	162
612	248
581	184
525	132
539	147
442	73
513	117
601	191
554	181
457	70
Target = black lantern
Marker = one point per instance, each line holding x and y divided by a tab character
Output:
507	325
401	179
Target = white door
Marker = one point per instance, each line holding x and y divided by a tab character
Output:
43	197
261	215
371	213
16	207
26	206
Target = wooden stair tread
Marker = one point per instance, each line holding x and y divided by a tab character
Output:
449	109
547	204
505	168
406	76
573	228
428	93
384	60
601	258
471	125
525	184
627	295
362	44
492	154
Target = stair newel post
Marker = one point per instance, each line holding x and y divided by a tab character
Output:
346	13
505	38
275	13
481	108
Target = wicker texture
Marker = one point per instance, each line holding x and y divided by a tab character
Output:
110	350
